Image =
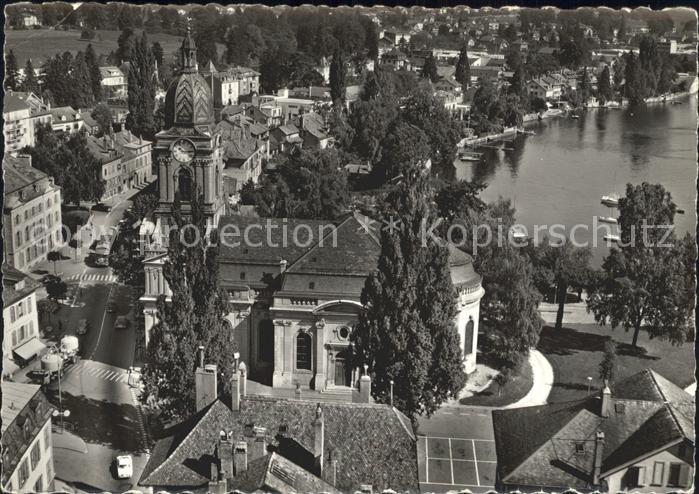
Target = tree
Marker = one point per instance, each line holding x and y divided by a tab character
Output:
125	257
584	85
338	76
30	84
56	288
194	317
405	145
87	34
126	43
273	72
83	96
53	256
103	116
564	266
646	279
141	99
463	69
11	72
607	366
407	334
310	185
429	69
158	53
604	87
372	42
93	69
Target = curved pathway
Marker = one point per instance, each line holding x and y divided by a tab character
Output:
542	381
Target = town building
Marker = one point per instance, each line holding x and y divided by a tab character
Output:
27	445
66	119
31	213
136	160
637	436
244	154
29	20
105	151
114	83
229	85
23	112
262	444
21	341
294	303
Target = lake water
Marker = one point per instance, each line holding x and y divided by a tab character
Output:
559	175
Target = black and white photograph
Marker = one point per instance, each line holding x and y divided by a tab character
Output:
354	249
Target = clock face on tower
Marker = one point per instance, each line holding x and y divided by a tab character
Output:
183	151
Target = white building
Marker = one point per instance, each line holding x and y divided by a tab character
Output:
20	320
67	119
31	214
22	113
114	84
27	444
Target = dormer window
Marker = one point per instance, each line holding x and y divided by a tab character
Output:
242	275
579	448
311	285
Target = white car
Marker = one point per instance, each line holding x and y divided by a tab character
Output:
124	467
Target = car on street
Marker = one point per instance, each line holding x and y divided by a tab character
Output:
83	327
102	261
121	322
124	466
100	206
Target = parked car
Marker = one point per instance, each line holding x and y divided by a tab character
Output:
83	327
100	206
121	322
102	261
124	466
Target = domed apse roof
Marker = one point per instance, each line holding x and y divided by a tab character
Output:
461	267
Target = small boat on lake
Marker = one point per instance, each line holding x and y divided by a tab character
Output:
611	200
612	238
518	234
607	219
679	211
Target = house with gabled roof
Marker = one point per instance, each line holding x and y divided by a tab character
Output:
264	444
637	435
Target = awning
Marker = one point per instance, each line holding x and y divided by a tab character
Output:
29	349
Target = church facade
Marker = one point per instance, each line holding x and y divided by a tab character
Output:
294	286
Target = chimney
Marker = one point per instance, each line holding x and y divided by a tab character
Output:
225	455
319	440
235	391
606	400
282	265
365	386
205	386
259	445
243	379
597	465
240	458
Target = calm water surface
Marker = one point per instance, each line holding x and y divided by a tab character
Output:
560	174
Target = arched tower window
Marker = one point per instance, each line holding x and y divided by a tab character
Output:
184	184
468	337
303	351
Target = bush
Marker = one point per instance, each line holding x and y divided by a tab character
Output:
87	34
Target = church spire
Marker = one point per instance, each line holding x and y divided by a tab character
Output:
188	53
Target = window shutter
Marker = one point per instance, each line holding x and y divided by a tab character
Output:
684	476
641	476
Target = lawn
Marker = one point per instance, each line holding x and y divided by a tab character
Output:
40	44
513	390
576	351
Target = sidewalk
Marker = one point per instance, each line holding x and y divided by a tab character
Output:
542	377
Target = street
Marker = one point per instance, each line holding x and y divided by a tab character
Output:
99	391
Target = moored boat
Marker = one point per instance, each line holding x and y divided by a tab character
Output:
610	200
607	219
612	238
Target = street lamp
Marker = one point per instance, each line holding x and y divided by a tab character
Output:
589	383
64	413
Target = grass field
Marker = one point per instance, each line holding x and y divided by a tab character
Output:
576	350
513	390
40	44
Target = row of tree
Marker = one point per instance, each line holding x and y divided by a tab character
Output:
67	159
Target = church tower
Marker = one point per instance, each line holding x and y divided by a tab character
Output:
187	150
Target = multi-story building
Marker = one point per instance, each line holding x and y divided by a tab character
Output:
66	119
229	85
113	83
21	341
27	445
31	213
105	150
16	114
136	161
22	113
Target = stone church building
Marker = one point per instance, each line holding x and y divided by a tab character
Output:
294	285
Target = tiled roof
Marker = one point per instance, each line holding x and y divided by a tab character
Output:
12	293
19	173
535	445
70	114
356	439
111	71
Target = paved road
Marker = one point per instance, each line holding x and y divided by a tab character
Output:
456	450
